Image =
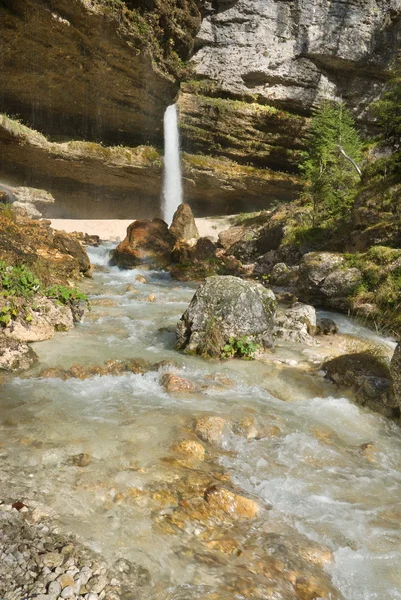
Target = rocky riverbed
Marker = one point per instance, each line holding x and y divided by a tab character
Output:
183	478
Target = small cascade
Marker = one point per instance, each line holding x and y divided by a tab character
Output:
172	189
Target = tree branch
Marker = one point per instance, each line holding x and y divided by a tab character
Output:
351	160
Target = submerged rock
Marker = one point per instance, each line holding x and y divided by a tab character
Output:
210	429
226	307
148	243
173	383
238	506
191	448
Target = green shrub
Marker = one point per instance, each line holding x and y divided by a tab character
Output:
65	295
18	281
240	348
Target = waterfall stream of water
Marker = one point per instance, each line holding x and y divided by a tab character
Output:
172	191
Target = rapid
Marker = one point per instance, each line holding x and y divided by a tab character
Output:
329	471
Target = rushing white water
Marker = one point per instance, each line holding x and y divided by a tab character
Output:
172	191
312	472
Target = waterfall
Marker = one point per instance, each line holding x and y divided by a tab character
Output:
172	189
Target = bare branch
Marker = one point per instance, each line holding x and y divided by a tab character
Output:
351	160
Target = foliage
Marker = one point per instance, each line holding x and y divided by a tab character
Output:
71	297
331	178
388	112
18	281
19	285
7	313
381	270
241	348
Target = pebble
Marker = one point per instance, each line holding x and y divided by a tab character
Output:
38	562
65	580
51	560
54	589
97	584
67	591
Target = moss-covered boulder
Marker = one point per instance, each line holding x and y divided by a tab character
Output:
368	377
395	368
324	278
226	307
54	256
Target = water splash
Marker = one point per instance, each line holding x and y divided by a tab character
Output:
172	191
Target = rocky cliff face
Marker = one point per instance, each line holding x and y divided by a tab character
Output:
94	69
294	53
92	75
288	55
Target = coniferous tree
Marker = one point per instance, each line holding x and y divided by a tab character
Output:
388	112
330	165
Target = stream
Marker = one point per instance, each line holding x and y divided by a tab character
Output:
309	474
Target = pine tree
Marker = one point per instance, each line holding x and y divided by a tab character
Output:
330	165
388	112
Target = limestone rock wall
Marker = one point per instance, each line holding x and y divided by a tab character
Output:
94	69
252	55
93	75
296	52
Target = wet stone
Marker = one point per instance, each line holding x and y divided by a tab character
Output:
80	460
210	429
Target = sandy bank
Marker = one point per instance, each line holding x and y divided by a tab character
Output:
115	229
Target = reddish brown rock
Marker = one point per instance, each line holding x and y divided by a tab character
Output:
147	243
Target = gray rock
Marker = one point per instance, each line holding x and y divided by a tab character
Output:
54	589
97	584
297	53
68	592
14	355
324	278
51	560
368	377
296	324
326	327
225	307
395	370
282	274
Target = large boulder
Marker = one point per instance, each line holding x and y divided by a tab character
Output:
226	307
47	317
369	378
183	226
324	278
148	243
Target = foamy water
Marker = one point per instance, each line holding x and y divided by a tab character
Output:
313	474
